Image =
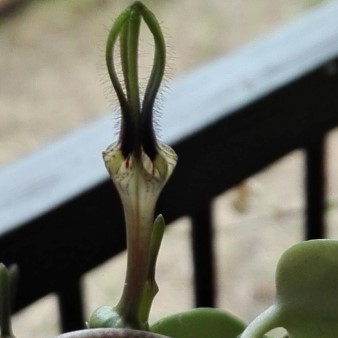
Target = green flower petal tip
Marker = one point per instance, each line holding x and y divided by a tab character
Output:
307	293
200	323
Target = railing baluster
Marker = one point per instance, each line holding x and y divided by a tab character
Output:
203	258
315	189
71	306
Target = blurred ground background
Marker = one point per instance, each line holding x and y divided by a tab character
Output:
52	79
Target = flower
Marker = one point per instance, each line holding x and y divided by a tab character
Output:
139	166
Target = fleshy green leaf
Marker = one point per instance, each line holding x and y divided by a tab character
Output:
307	293
200	323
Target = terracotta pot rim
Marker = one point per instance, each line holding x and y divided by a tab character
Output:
110	333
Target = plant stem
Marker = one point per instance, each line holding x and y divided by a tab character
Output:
138	248
151	288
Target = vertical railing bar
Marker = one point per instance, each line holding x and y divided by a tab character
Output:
203	257
71	306
315	190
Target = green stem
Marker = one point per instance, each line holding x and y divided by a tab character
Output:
139	220
151	287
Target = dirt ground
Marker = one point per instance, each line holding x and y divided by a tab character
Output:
53	80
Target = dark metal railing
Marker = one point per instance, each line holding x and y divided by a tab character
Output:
60	216
315	189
